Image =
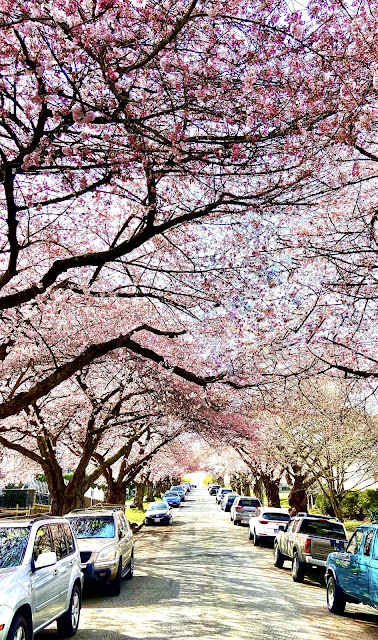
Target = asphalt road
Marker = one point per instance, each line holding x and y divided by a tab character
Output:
203	579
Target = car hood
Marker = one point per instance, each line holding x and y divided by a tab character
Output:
14	582
6	573
94	544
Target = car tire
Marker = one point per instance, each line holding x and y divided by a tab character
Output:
250	535
114	587
130	574
19	629
279	558
235	522
336	600
256	539
297	568
68	623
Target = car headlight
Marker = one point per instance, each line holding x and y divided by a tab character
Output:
106	554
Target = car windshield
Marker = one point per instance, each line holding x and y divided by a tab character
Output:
280	517
171	494
226	491
249	502
158	506
93	526
323	528
13	542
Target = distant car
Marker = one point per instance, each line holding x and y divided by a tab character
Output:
228	500
106	545
213	489
172	498
158	513
187	486
180	490
352	574
265	524
40	577
221	492
243	508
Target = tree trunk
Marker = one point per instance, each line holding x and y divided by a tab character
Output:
271	491
150	491
245	487
298	498
158	489
257	489
116	492
138	500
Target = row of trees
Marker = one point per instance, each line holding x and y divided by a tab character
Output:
188	220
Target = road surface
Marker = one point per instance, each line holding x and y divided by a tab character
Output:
203	579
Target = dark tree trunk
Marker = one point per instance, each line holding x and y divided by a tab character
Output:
298	498
245	487
138	500
257	489
116	492
158	489
150	491
271	490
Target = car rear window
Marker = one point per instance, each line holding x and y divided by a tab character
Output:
249	502
13	543
279	517
93	526
323	528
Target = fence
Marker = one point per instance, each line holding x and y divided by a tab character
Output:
23	502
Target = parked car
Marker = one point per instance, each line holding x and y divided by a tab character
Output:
180	490
187	486
106	545
243	508
227	501
352	575
264	525
213	489
306	541
172	498
221	492
40	577
158	513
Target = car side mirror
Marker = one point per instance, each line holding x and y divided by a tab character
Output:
47	559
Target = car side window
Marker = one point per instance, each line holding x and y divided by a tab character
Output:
355	542
69	538
368	542
42	542
59	540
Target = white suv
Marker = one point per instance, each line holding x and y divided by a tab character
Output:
40	577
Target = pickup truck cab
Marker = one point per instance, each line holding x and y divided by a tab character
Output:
352	574
306	541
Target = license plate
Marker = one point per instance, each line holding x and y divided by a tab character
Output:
156	519
276	530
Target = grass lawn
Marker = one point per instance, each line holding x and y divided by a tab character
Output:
134	515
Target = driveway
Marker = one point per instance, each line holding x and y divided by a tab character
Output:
202	579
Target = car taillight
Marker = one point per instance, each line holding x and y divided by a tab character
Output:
307	545
238	508
263	521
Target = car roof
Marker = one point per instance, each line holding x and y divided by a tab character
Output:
29	520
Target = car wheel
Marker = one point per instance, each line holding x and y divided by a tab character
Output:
68	623
114	587
279	559
235	521
18	629
297	568
335	597
129	575
256	539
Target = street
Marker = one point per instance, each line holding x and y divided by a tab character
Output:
202	578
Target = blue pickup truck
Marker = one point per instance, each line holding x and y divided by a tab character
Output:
352	573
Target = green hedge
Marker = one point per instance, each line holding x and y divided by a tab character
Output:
356	504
